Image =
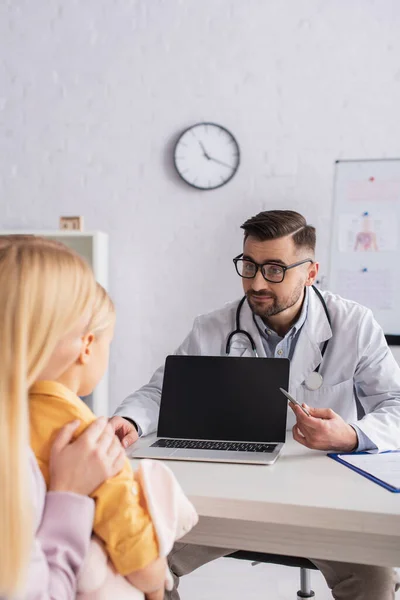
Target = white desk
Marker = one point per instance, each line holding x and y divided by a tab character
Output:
305	504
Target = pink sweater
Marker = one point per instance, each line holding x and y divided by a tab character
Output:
63	528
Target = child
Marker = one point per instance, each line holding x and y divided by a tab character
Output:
122	520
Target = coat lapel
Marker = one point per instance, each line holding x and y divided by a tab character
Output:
307	355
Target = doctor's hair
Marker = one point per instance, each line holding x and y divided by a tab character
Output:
45	288
103	311
274	224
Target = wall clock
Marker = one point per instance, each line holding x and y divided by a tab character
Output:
206	156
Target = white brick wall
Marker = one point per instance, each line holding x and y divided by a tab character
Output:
94	92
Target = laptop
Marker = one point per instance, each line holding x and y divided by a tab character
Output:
220	409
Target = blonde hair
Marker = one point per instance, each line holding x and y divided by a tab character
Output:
103	313
45	288
6	240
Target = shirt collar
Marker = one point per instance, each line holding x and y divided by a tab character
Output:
295	327
54	389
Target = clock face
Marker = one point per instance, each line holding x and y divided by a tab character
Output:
206	156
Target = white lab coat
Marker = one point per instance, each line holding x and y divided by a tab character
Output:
359	371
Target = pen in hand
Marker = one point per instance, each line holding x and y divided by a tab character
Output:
291	399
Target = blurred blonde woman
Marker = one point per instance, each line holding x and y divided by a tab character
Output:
41	554
47	299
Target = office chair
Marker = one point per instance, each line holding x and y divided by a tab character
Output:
304	564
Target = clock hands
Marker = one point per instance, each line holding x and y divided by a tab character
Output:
208	157
220	162
204	151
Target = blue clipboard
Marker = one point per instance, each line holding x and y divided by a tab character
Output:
380	482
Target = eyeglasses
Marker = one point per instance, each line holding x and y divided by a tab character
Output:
272	272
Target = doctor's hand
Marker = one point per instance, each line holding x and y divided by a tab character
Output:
125	430
323	430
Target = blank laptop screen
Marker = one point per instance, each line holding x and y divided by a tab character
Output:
224	398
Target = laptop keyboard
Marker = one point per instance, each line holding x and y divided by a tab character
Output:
206	445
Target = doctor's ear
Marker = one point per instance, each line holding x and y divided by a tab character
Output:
86	348
312	273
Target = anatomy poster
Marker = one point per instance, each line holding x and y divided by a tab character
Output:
368	232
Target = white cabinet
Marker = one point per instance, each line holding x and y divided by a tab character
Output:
93	246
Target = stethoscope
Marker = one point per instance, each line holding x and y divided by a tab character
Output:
315	380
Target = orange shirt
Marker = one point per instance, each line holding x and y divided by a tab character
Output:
121	517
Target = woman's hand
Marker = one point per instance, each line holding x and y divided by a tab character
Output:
83	465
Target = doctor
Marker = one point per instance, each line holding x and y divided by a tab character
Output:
341	369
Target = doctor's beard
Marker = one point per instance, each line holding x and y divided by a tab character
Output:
276	305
